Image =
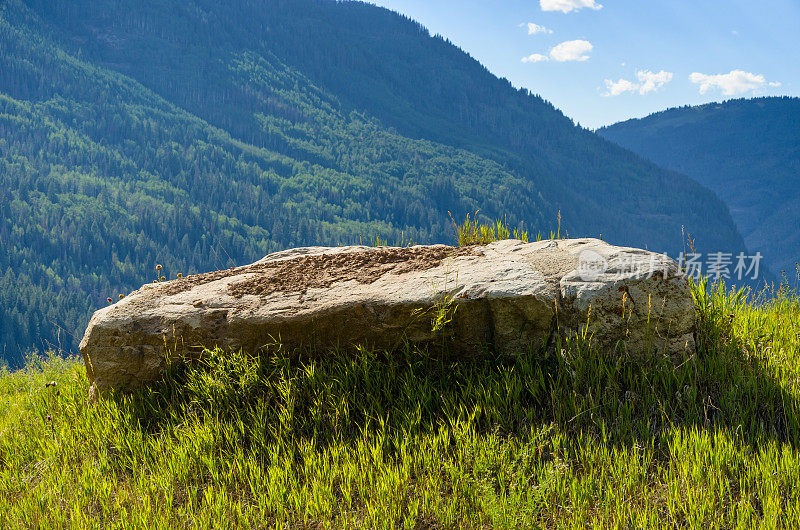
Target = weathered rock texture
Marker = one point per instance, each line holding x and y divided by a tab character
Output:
508	296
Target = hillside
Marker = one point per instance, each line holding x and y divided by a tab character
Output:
198	135
745	150
584	438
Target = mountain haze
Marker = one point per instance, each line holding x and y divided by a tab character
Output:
745	150
199	134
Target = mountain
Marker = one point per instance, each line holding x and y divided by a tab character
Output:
199	134
745	150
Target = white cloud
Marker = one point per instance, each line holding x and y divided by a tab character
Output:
533	29
648	82
652	81
535	58
565	6
571	50
733	83
615	88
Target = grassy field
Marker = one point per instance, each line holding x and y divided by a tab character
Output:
576	438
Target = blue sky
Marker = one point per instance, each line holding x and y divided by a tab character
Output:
602	61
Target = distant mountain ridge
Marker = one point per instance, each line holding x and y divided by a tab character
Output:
197	134
745	150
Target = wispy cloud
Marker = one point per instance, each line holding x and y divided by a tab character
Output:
648	82
731	84
565	6
533	28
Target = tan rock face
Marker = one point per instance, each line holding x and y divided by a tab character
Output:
508	296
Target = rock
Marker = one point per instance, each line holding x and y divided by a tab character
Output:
507	296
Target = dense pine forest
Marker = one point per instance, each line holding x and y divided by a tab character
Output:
745	150
198	135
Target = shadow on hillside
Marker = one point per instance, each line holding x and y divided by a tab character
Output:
340	397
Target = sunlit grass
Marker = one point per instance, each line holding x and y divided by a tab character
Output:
571	438
475	232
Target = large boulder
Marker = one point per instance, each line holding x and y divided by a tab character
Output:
506	297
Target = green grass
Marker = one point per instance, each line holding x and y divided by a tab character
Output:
574	438
475	232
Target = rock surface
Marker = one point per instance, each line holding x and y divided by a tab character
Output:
507	296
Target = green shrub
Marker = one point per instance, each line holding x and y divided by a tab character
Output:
472	232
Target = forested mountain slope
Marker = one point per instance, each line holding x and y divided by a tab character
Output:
199	134
747	151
